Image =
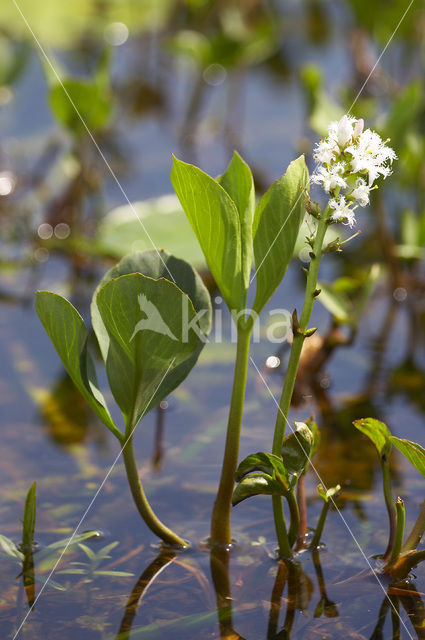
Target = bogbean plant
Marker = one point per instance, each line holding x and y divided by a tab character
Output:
143	307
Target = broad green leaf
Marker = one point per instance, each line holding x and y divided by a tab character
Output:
239	184
296	448
66	329
412	451
336	303
146	324
255	485
326	494
156	264
29	518
376	431
266	462
215	220
277	220
92	101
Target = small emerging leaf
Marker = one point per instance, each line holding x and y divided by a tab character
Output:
376	431
326	494
267	463
296	448
29	519
412	451
10	548
255	485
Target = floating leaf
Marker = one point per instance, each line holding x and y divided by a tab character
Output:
266	462
215	220
277	221
66	329
254	485
412	451
296	448
146	323
376	431
10	548
92	101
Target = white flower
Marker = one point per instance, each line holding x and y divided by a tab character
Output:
330	177
350	155
341	211
361	192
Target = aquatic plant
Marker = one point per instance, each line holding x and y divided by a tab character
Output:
350	159
401	555
151	314
233	233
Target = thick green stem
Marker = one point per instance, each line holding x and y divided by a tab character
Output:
295	518
391	508
142	504
284	549
319	529
220	519
399	533
417	532
294	359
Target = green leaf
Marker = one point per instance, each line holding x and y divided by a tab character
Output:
336	302
156	264
114	574
145	322
326	494
255	485
412	451
239	184
277	220
296	448
215	220
312	425
66	329
29	518
376	431
92	101
266	462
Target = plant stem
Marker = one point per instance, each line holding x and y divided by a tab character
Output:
220	519
141	501
291	372
391	508
417	532
398	539
284	548
295	518
321	523
405	564
302	506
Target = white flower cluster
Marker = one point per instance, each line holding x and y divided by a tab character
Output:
351	159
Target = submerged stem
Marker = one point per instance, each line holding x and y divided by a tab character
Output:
141	501
302	506
220	519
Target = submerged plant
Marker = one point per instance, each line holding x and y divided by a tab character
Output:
401	554
151	314
233	233
351	159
